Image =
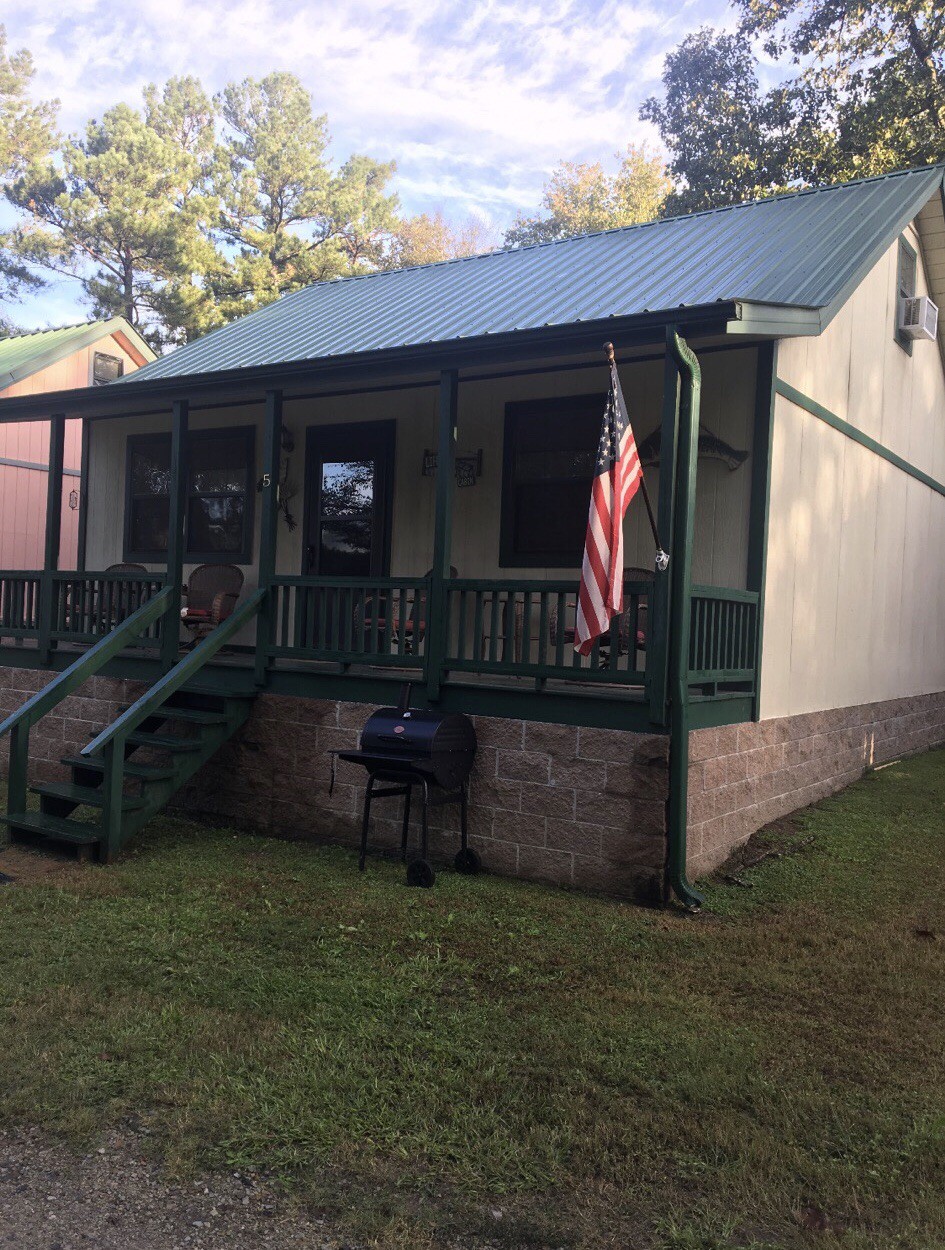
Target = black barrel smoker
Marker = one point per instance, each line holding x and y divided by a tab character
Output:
402	747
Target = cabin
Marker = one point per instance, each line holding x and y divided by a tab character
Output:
90	354
386	478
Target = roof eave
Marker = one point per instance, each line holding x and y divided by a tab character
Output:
701	321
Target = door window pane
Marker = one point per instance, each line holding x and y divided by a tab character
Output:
346	548
347	487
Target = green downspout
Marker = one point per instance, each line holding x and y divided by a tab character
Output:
679	620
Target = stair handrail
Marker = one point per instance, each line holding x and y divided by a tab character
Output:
87	665
182	672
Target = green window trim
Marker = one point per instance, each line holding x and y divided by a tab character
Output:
907	270
797	397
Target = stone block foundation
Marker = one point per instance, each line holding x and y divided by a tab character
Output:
742	777
554	803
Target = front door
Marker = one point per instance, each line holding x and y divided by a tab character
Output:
349	492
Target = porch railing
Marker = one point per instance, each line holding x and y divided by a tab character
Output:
527	629
723	638
87	606
48	607
376	621
500	630
20	600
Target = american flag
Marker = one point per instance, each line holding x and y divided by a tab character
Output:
616	480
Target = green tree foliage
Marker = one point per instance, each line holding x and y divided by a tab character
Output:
285	217
27	136
580	198
431	237
874	74
863	93
126	210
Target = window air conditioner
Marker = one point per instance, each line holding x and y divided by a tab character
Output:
918	317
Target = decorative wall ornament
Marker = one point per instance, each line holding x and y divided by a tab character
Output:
73	499
467	466
711	447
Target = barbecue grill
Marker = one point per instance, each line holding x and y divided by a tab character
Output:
402	747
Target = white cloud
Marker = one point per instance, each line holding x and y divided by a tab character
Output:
477	101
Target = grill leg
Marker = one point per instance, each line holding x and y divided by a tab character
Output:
369	790
423	825
406	829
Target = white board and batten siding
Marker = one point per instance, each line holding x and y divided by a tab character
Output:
720	556
855	584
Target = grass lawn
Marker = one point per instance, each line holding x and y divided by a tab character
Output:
768	1074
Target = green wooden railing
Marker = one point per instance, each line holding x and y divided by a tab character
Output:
377	621
723	639
527	629
87	606
19	723
20	604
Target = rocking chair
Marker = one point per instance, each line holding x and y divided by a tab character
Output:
212	593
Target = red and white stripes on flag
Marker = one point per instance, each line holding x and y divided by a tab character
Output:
617	479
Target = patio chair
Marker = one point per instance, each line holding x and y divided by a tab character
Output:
623	634
212	593
106	611
413	627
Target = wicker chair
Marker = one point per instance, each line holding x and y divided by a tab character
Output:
212	593
126	568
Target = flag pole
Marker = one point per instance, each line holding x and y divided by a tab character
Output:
662	559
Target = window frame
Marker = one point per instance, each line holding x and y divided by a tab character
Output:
904	248
107	356
553	409
245	554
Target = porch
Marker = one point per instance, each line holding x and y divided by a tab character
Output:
377	567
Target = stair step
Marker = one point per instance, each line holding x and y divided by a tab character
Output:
56	827
83	794
143	772
195	715
217	693
164	742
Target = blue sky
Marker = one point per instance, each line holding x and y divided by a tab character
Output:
477	101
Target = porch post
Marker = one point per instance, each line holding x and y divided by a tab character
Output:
762	442
82	537
170	633
57	438
269	529
437	625
657	655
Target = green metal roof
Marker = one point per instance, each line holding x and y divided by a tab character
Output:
802	252
25	354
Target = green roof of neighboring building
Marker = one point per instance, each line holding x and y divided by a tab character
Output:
803	253
24	354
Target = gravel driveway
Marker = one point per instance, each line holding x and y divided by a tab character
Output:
114	1199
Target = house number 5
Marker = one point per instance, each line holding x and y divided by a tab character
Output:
267	481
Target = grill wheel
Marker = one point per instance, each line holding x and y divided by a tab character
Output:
419	873
467	861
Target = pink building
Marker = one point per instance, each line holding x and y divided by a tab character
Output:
30	364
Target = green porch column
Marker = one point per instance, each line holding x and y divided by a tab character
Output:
269	528
437	625
767	367
170	637
48	596
83	496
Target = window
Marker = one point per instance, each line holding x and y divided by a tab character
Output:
550	450
905	288
106	368
218	508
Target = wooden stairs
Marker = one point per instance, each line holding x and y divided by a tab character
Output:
159	757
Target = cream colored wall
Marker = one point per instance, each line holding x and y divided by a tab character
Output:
855	585
723	495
